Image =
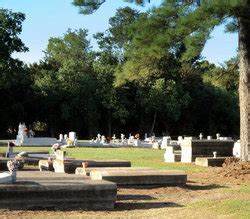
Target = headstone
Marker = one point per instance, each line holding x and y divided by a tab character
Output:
61	137
180	138
72	136
98	138
191	148
131	140
22	133
165	142
60	155
113	138
103	139
156	145
236	149
122	138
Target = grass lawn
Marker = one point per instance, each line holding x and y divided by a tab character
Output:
139	157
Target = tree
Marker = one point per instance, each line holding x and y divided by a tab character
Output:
15	92
212	13
67	83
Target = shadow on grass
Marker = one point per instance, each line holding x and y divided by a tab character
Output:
203	187
135	197
145	205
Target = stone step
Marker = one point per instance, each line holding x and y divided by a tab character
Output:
88	170
210	161
47	190
150	177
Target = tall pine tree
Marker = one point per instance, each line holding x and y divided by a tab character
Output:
211	12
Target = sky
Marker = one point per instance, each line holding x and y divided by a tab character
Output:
52	18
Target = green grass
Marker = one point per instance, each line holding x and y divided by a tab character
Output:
139	157
239	208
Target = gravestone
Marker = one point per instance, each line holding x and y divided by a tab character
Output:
165	142
236	149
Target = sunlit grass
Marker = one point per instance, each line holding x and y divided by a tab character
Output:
139	157
236	208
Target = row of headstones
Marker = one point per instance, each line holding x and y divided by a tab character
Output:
70	139
103	140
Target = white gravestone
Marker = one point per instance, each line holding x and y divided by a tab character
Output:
72	136
236	149
61	137
122	138
165	142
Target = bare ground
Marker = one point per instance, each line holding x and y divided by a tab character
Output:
215	193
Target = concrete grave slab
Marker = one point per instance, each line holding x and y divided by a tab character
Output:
88	170
47	190
150	177
107	163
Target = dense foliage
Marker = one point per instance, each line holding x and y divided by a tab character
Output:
137	82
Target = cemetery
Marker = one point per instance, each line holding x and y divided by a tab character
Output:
125	109
56	176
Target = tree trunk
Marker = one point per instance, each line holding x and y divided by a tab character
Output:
153	124
244	87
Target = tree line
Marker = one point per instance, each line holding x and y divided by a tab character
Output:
141	79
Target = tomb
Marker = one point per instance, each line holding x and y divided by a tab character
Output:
23	139
141	177
192	148
47	190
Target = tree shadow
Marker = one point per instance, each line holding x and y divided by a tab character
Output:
184	186
203	187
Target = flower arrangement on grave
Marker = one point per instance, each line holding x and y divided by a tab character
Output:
13	166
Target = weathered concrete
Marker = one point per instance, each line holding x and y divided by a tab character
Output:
192	148
107	163
210	161
46	165
150	177
46	190
69	166
87	171
66	166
